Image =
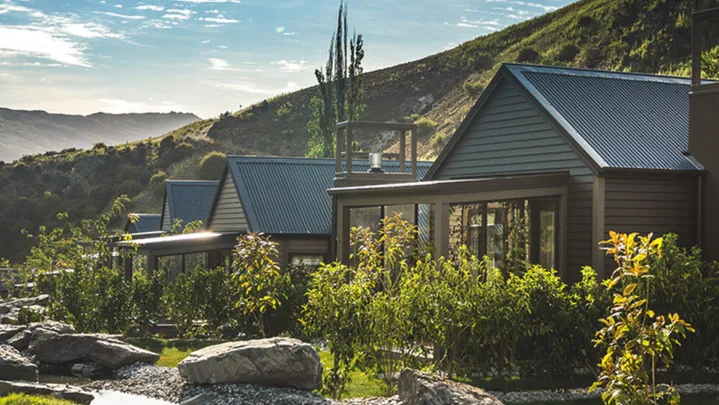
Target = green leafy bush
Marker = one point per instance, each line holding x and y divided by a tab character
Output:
147	294
425	126
568	52
472	87
527	54
637	341
212	165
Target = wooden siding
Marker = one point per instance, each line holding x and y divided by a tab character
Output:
510	135
658	203
228	215
166	225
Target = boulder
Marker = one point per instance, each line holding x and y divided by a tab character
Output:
53	348
275	362
419	388
8	331
13	366
67	392
20	341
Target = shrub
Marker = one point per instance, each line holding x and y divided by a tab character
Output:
527	54
473	88
425	126
590	56
680	273
157	183
183	303
258	277
212	165
635	338
437	142
480	61
568	52
147	294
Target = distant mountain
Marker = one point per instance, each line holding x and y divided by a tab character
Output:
35	132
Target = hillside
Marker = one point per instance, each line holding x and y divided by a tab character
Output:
647	36
32	132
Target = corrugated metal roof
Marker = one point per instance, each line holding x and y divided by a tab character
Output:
144	223
289	195
190	200
626	120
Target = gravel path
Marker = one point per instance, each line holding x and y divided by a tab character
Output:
166	384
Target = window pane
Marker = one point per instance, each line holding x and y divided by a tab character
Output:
548	234
496	233
366	217
307	260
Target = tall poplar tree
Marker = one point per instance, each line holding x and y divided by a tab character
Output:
340	88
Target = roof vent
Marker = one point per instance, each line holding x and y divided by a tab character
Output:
375	162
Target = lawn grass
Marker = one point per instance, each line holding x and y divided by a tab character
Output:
22	399
171	351
362	384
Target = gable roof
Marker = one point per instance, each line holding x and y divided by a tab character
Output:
144	223
617	120
188	200
289	195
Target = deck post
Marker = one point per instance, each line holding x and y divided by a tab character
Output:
402	152
441	233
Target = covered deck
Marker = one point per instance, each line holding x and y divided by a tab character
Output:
478	213
177	253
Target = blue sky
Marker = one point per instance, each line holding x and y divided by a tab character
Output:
210	56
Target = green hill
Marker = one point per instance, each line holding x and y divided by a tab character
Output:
647	36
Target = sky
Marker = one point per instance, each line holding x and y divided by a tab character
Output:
211	56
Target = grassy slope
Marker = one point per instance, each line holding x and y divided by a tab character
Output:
648	35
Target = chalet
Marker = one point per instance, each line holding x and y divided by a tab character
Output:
571	153
185	202
143	223
283	197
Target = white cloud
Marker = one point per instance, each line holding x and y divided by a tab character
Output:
544	7
149	7
178	14
218	64
292	66
213	25
209	1
490	25
220	19
119	106
222	46
215	11
89	30
253	88
280	29
38	43
207	41
290	34
118	5
124	16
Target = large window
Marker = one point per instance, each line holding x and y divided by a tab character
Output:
507	231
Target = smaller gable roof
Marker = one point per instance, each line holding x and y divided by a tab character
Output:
619	120
144	223
189	200
288	195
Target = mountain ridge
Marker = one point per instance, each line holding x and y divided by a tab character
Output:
30	132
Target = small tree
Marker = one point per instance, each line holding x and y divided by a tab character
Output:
635	338
258	276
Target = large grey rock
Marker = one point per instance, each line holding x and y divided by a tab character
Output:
275	362
67	392
8	331
85	370
22	335
52	348
419	388
13	366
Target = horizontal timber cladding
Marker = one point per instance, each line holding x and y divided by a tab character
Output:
228	214
657	203
510	135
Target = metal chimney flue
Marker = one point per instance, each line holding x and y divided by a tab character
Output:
375	162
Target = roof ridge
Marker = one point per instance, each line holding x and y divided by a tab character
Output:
566	70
